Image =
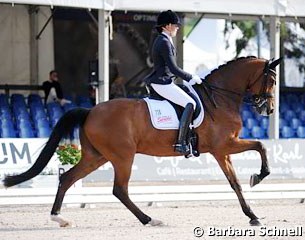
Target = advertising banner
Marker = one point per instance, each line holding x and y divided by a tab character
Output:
286	161
18	154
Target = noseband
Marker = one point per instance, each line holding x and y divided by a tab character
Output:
259	100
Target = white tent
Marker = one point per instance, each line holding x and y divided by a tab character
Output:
282	8
206	46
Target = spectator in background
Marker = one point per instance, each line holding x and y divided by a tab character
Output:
52	89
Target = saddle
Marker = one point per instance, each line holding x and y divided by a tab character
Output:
166	115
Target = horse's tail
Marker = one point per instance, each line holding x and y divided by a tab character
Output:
66	123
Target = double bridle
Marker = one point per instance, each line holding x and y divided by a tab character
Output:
259	100
256	100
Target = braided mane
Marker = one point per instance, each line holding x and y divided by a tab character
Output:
229	63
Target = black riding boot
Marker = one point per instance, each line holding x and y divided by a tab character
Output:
181	145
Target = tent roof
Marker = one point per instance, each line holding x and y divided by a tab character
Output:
283	8
91	4
291	8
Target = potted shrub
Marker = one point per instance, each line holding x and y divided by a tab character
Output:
68	156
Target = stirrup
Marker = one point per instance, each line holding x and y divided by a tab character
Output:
182	148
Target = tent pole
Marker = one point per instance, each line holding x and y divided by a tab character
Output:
103	55
275	53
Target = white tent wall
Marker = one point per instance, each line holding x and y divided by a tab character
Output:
15	45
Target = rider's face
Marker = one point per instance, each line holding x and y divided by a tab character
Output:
172	29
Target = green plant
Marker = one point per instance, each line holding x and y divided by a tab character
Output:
68	154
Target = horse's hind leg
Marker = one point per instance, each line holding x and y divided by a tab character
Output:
122	170
67	179
225	163
90	161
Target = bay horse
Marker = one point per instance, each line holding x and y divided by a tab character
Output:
116	130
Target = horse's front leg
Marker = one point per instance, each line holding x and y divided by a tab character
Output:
225	163
238	146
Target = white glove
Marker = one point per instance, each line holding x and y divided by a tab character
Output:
195	80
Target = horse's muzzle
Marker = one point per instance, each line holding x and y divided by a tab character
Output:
265	109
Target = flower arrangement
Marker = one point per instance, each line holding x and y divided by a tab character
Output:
68	154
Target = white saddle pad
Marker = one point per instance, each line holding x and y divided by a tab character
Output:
163	115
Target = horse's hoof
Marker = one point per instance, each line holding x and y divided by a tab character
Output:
255	222
155	222
254	180
62	222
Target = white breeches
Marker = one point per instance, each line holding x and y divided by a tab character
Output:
174	93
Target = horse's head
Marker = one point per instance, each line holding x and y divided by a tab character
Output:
262	88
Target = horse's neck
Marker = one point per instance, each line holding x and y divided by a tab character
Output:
226	92
231	80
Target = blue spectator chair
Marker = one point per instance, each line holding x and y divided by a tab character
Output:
34	106
86	104
284	107
259	117
82	99
17	97
288	115
287	132
53	105
251	122
34	98
298	107
69	106
244	133
39	114
56	114
4	100
295	123
23	124
8	132
41	122
26	132
43	132
258	132
22	116
5	113
302	115
301	132
245	114
7	123
264	123
292	98
53	121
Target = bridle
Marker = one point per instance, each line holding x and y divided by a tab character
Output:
259	100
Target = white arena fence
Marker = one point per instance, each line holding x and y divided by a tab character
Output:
17	196
286	157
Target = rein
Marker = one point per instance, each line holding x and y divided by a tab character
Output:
209	90
256	100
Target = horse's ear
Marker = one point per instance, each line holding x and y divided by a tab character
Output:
274	63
